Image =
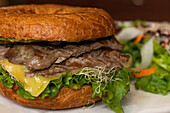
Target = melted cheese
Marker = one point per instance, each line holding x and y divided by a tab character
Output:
34	85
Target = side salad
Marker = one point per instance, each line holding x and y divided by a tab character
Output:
149	46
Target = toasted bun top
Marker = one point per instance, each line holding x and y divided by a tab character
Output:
54	23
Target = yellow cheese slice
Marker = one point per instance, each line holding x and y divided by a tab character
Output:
34	85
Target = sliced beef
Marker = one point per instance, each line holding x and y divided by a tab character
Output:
102	58
122	58
3	50
5	43
38	57
19	53
37	63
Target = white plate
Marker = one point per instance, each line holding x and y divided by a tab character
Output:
135	101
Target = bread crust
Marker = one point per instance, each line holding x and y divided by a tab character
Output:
66	98
55	23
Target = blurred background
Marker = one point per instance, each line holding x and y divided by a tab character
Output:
151	10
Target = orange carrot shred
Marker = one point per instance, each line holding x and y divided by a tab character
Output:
144	72
138	39
165	44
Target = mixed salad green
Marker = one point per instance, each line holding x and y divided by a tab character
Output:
159	81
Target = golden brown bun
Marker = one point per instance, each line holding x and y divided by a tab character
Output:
55	22
66	98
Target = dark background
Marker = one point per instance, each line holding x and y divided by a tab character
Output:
152	10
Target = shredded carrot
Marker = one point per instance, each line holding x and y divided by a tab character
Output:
144	72
165	43
138	39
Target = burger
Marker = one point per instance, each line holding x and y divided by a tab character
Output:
60	57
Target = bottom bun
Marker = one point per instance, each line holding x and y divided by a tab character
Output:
66	98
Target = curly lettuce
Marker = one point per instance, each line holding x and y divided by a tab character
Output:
5	79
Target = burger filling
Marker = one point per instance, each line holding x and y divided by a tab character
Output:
41	70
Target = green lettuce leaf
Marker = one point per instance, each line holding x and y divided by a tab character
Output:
66	80
161	57
133	24
21	92
158	83
134	51
139	23
153	83
118	89
5	78
115	90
